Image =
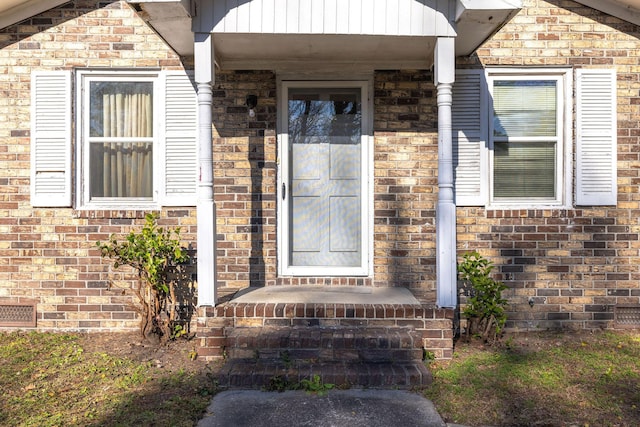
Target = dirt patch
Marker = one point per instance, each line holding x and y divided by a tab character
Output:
179	354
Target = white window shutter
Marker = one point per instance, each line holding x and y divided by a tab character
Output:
51	139
596	142
180	140
469	134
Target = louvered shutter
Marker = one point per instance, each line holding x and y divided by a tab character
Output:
596	151
469	134
51	139
180	140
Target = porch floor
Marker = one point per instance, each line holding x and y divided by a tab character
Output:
325	294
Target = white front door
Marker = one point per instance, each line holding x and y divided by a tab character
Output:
324	177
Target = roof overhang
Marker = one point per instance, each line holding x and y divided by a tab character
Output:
171	19
472	22
12	11
627	10
477	20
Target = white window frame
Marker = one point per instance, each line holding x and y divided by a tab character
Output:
83	200
564	166
366	267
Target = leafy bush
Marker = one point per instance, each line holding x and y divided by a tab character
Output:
155	254
485	309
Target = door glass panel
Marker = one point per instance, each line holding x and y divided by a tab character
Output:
325	130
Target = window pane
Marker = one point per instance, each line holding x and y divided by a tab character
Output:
524	108
313	120
523	170
121	169
122	111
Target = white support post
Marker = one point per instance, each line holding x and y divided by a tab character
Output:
444	68
206	212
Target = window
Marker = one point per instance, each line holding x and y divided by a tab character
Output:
135	139
526	135
119	138
513	138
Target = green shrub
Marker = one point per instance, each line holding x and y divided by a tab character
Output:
485	309
155	254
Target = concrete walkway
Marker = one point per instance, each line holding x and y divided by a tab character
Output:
338	408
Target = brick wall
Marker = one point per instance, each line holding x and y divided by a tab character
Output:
48	256
574	264
405	183
405	186
244	154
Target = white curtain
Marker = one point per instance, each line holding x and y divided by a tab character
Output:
127	165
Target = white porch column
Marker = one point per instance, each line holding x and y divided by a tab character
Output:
444	68
206	212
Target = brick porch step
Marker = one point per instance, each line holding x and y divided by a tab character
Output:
260	357
355	337
325	344
268	374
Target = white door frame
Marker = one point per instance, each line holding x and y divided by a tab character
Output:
283	224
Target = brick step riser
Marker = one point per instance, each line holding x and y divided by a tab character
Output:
263	375
327	355
325	345
433	326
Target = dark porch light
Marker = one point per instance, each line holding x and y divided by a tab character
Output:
251	102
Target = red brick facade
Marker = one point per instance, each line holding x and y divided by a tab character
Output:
575	264
48	255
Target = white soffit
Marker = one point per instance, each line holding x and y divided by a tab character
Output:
283	52
12	11
477	20
171	19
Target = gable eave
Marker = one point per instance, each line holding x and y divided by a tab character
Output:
627	10
476	21
14	11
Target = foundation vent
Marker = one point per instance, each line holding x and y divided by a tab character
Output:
18	314
627	316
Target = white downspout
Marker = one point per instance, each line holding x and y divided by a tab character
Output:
206	212
444	69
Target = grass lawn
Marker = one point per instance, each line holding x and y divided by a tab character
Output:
51	379
542	379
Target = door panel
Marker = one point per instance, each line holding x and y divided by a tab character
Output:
307	224
324	207
345	217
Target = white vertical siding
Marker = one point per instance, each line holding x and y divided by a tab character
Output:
303	10
317	9
374	17
268	12
279	18
355	17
